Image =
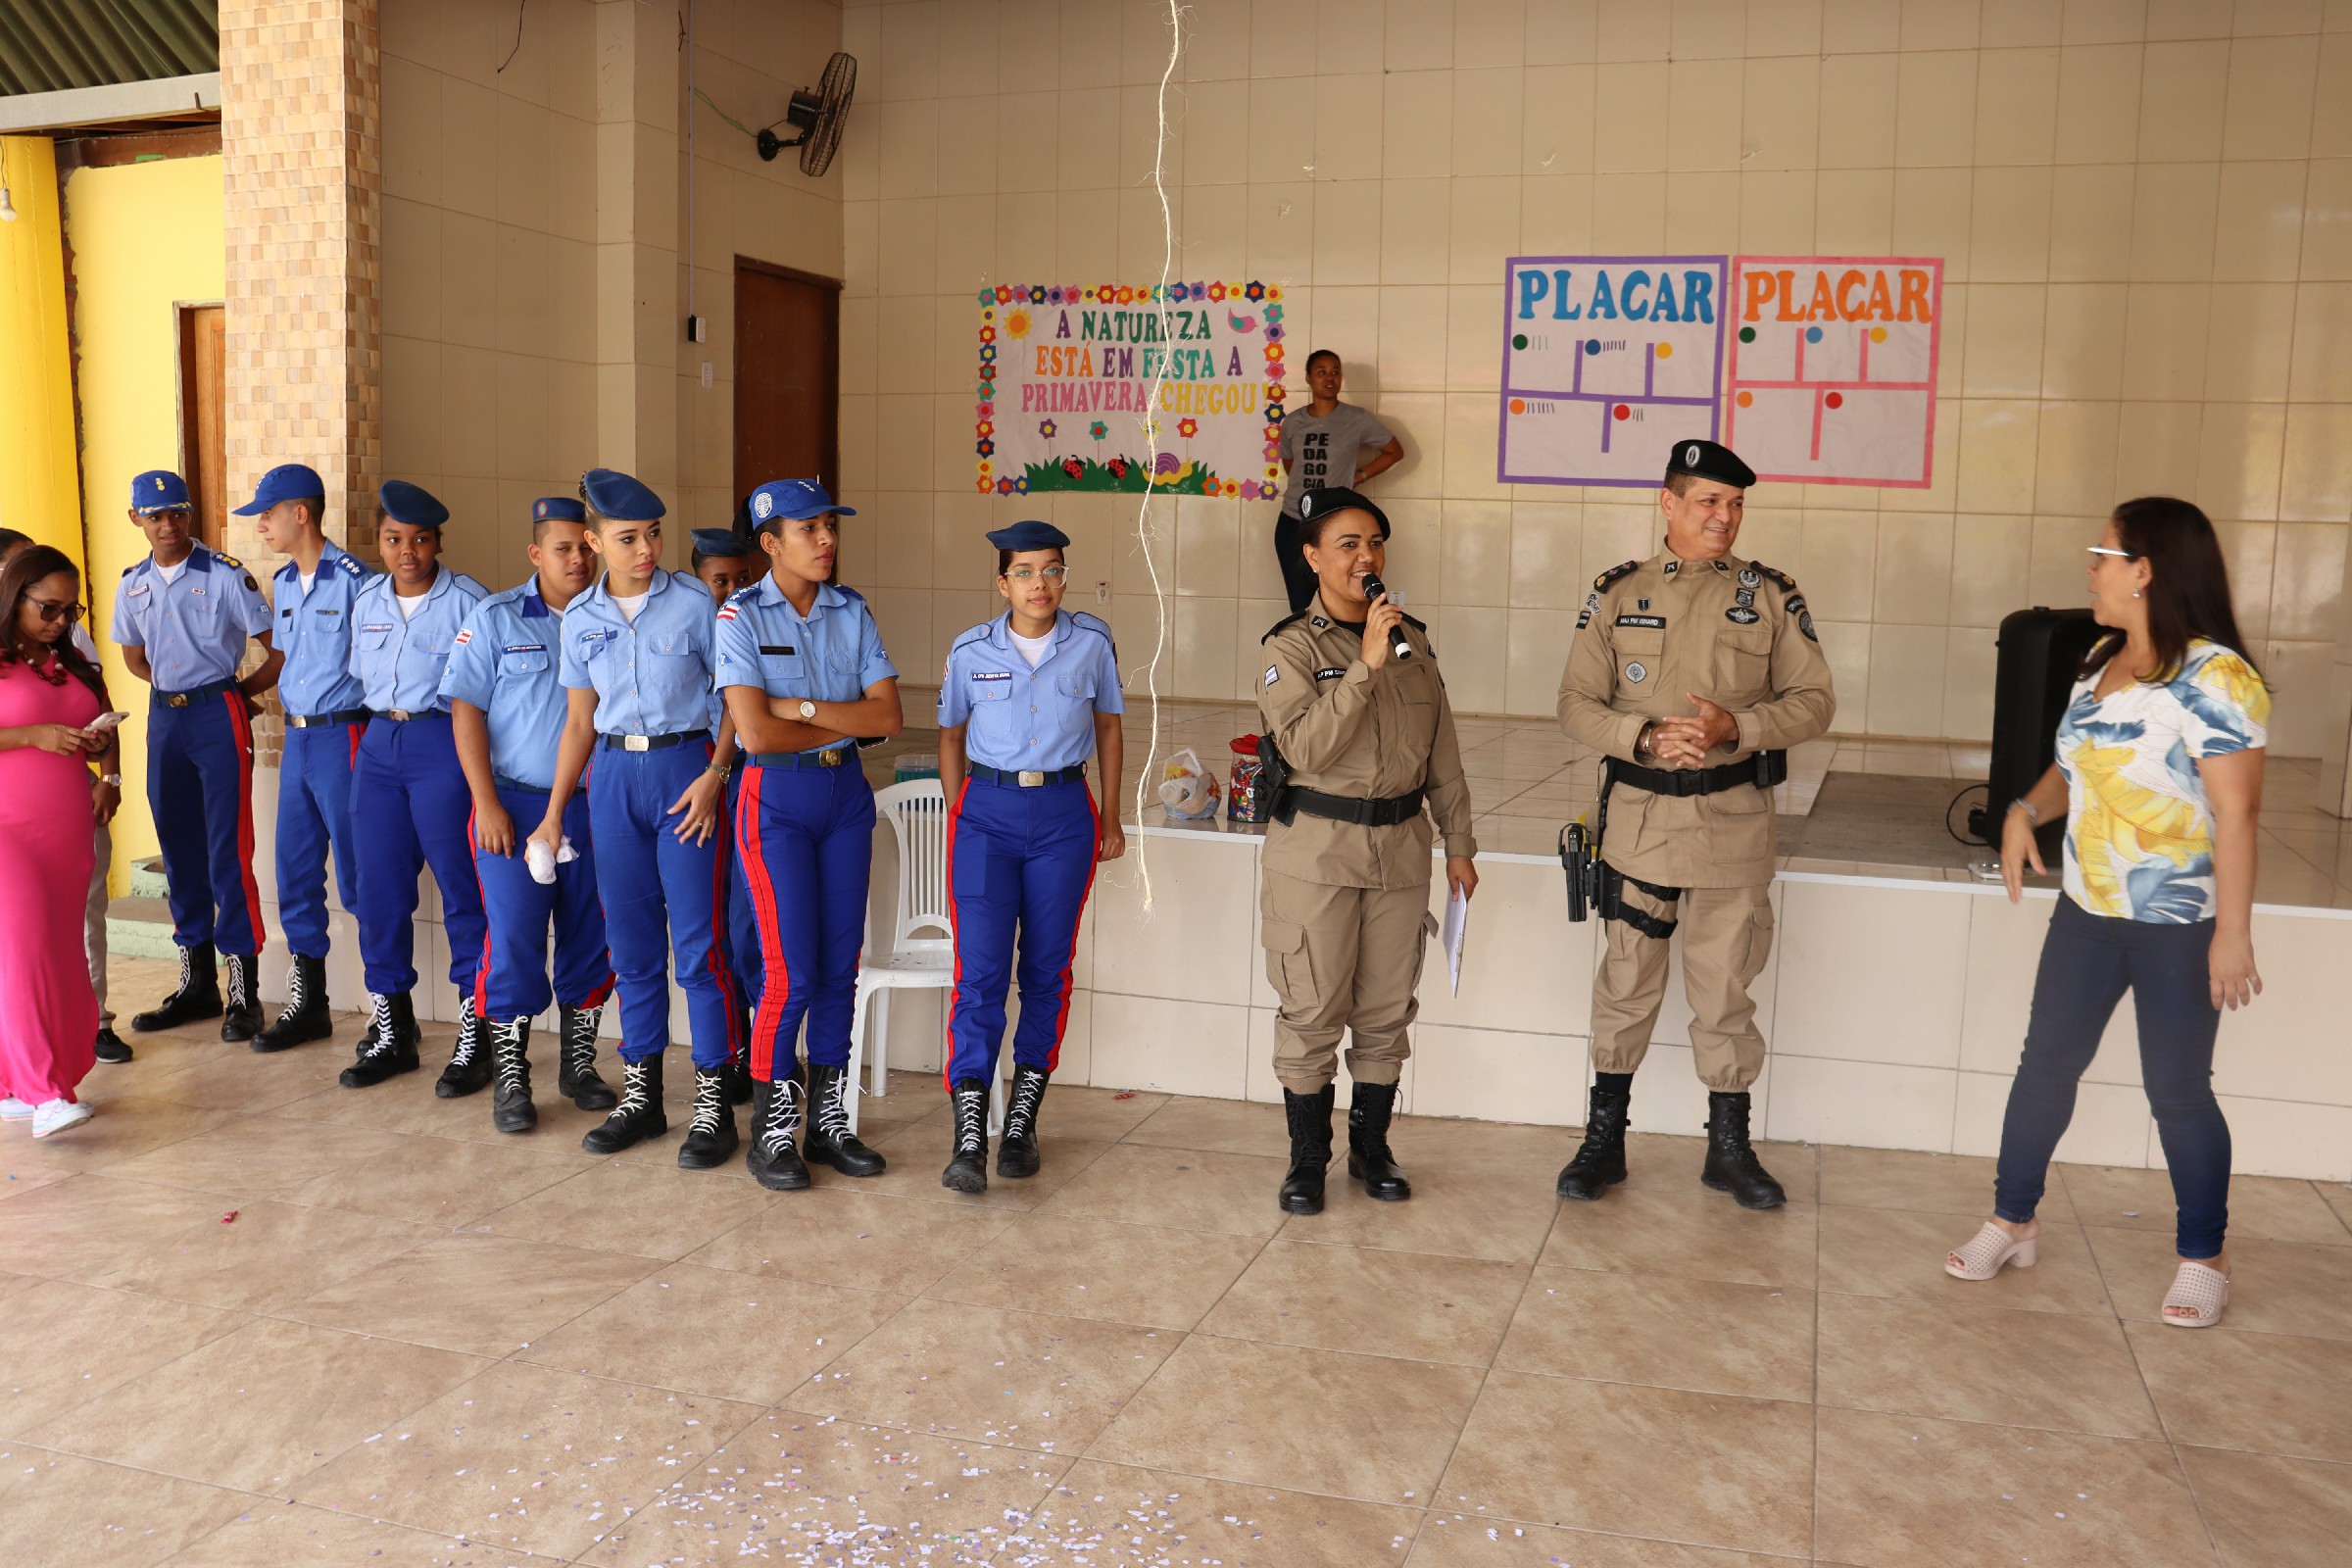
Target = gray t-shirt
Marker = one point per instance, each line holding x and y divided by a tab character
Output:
1322	449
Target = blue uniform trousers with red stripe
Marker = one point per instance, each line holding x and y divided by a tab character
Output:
1016	858
662	896
807	837
409	808
314	812
513	978
200	790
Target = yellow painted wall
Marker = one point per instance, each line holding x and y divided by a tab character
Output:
37	489
146	238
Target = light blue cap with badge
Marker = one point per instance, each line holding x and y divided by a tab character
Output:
794	499
720	544
159	490
610	493
410	504
288	482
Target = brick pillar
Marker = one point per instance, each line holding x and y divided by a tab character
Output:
298	138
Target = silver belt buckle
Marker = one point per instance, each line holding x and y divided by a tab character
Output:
1031	778
636	743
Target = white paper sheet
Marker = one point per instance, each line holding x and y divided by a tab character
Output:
1456	926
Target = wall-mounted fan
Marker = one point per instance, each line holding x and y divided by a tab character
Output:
818	116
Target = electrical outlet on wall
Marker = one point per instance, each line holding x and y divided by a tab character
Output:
1102	593
706	376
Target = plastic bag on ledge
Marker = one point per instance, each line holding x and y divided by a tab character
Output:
1188	790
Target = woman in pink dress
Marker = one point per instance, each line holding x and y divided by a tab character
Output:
48	694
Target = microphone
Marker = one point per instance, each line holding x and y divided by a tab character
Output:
1399	647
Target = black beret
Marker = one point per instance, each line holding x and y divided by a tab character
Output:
1706	460
1316	503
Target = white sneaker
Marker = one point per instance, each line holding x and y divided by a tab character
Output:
56	1115
14	1110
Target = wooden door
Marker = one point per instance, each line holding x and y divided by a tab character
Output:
203	396
787	376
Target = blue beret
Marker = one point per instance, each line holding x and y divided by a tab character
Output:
794	497
1704	460
1030	534
610	493
288	482
558	509
159	490
720	541
412	504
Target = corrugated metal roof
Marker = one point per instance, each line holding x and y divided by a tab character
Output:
52	45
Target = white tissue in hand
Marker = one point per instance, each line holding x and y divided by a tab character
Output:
542	864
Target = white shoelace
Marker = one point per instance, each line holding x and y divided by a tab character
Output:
380	1041
833	1109
710	1102
971	1121
783	1119
513	1070
470	1034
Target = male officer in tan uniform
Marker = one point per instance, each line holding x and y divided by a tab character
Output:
1691	672
1343	904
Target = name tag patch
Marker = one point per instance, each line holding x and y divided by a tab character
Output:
992	674
1656	622
517	648
1333	672
775	648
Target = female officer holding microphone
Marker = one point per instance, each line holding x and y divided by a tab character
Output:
1368	738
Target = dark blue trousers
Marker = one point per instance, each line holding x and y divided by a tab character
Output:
200	790
806	839
513	978
1018	861
409	808
662	896
313	815
743	937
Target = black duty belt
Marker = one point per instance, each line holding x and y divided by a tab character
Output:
195	693
652	743
410	715
1347	809
1763	771
1028	779
834	757
506	783
346	716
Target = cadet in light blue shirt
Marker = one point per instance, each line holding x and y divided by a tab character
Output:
182	618
507	709
325	711
409	790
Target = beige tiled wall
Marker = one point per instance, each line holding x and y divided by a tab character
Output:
2142	208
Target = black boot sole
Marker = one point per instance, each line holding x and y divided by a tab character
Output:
525	1120
447	1088
865	1164
1587	1189
354	1078
708	1154
1017	1162
1768	1200
275	1039
965	1175
148	1023
637	1133
780	1177
1300	1203
1400	1193
598	1096
236	1030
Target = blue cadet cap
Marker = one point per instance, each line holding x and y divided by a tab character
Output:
288	482
610	493
558	509
412	504
721	543
794	499
1030	534
159	490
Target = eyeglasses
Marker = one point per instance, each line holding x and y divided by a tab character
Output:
1028	574
50	610
2103	549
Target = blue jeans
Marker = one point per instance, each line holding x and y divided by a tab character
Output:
2087	963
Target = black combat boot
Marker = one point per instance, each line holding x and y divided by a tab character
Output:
469	1065
241	1019
510	1107
711	1139
388	1046
738	1070
1369	1107
304	1019
1732	1166
1599	1160
576	1077
197	998
968	1161
831	1141
110	1044
638	1115
1016	1147
774	1156
1309	1116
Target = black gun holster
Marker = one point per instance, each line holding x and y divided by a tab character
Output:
1595	887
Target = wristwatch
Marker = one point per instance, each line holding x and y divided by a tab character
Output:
116	779
725	770
808	709
2032	811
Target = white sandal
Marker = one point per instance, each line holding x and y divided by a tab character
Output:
2202	1287
1992	1250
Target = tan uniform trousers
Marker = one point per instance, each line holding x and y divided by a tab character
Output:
1343	959
1727	935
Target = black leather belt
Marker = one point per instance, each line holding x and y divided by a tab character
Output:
346	716
197	694
506	783
409	715
1763	771
652	743
1028	779
1347	809
835	756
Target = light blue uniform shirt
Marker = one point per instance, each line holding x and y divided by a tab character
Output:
399	659
831	656
504	663
194	629
314	632
1020	719
652	676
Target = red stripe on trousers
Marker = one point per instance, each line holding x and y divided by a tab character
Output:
241	724
718	918
763	887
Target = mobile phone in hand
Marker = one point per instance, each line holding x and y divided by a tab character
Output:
104	723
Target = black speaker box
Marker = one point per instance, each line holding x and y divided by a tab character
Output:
2040	650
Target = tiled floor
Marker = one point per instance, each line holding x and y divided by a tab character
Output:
250	1318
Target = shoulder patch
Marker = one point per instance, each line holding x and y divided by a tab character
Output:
1778	579
226	559
286	573
1601	582
349	565
1296	615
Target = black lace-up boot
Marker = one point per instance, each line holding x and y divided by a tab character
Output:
305	1018
109	1047
1309	1116
774	1156
576	1077
1369	1108
241	1018
1016	1147
710	1140
470	1065
1732	1166
510	1107
638	1117
389	1044
968	1165
830	1141
197	997
1599	1160
738	1070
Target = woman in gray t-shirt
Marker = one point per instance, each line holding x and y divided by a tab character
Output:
1323	444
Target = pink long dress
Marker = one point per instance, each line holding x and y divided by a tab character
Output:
48	1013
